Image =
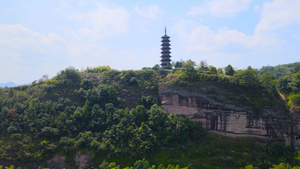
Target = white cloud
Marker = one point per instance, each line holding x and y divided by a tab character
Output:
31	54
279	13
20	38
25	53
102	23
201	38
220	8
231	43
151	12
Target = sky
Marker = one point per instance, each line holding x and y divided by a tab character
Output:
39	37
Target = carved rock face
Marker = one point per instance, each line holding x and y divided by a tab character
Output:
222	117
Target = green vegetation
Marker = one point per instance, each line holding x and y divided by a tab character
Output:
244	87
288	82
116	116
140	164
280	70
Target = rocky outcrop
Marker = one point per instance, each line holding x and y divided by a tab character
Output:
241	120
58	161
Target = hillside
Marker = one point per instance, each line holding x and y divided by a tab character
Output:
288	82
116	115
280	71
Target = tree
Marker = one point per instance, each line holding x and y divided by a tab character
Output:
141	164
229	70
268	81
246	78
87	84
156	67
297	67
295	84
147	101
189	64
49	132
213	69
294	103
11	92
178	64
220	71
203	65
140	115
69	77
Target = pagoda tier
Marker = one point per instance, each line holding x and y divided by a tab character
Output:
165	51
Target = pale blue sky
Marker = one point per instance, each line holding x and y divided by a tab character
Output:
45	36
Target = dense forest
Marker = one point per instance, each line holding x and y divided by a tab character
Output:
116	117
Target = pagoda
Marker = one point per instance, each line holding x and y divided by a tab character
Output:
165	52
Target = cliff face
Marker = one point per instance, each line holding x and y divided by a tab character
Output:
240	120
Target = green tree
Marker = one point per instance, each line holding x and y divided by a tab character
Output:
50	132
247	78
156	67
213	70
11	92
294	103
229	70
140	114
220	71
203	65
69	77
189	64
141	164
268	81
147	101
295	83
178	64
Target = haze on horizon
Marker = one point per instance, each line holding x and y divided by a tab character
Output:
43	37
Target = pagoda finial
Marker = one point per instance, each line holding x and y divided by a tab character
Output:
165	30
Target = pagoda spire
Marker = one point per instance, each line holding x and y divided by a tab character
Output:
165	51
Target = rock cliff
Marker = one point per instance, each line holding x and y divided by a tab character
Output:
198	106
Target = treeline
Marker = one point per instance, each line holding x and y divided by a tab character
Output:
45	128
280	70
140	164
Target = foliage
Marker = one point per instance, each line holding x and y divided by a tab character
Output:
203	66
287	79
294	103
280	70
229	70
147	101
139	164
245	87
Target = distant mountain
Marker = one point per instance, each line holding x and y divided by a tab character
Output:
12	84
8	84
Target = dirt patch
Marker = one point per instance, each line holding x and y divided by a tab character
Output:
82	159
